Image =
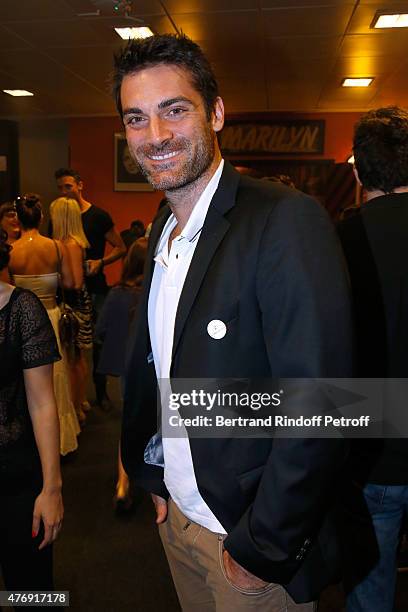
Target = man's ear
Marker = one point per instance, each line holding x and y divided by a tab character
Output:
218	115
356	175
80	186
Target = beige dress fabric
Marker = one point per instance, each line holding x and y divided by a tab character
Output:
45	287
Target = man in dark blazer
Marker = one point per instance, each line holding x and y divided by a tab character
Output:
375	243
244	280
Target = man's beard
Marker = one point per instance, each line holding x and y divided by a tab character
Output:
179	176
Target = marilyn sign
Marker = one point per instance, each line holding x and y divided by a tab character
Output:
283	137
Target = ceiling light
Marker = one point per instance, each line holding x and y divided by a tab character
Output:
395	20
357	82
350	159
127	33
18	92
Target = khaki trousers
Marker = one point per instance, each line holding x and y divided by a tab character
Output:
195	557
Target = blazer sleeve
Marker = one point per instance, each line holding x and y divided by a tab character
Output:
305	308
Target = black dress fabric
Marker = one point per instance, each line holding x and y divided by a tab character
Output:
27	340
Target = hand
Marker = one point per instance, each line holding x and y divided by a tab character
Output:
49	508
93	266
161	508
239	576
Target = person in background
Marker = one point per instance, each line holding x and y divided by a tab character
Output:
10	224
67	228
375	243
112	329
31	507
39	264
99	229
135	231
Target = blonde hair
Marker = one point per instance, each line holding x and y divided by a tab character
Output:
67	222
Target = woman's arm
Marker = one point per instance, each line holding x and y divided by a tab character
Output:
44	417
76	258
67	278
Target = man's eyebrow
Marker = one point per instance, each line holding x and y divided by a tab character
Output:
132	111
171	101
161	105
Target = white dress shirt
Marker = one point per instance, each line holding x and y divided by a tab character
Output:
170	271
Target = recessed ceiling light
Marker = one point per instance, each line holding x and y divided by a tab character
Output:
127	33
357	82
395	20
18	92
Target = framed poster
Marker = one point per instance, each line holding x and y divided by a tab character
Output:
127	174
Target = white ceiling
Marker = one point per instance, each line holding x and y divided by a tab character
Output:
269	55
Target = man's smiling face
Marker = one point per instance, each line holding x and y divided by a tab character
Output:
167	128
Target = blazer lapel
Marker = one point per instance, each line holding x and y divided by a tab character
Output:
156	232
214	230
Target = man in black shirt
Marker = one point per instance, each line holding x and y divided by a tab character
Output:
99	229
375	243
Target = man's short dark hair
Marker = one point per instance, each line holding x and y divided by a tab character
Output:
172	49
137	223
380	149
61	172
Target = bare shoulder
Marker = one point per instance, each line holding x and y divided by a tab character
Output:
45	241
48	244
72	245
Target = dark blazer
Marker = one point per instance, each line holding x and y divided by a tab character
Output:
268	264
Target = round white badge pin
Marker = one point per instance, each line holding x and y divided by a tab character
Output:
216	329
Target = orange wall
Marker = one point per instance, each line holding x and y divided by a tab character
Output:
91	153
339	134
